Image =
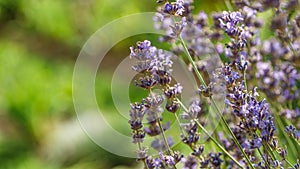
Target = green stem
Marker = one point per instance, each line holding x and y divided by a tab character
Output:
186	51
164	138
290	44
289	163
145	164
281	128
213	139
182	131
297	142
231	133
163	135
262	156
270	152
245	80
144	161
213	101
228	5
218	144
244	75
177	119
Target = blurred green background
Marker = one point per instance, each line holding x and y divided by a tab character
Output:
39	43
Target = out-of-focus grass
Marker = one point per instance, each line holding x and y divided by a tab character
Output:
38	123
39	43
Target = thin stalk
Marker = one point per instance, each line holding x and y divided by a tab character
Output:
144	161
182	131
213	101
297	142
177	119
228	5
140	147
218	144
281	128
290	44
186	51
262	156
187	73
162	131
213	139
163	135
244	75
269	152
289	163
164	138
268	148
245	80
286	160
232	134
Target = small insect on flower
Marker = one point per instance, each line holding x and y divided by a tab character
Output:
174	8
170	8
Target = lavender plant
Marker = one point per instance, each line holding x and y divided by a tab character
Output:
259	76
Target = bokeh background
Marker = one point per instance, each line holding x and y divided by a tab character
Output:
39	43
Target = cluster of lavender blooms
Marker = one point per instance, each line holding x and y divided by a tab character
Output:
253	133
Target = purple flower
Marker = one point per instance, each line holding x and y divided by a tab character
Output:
229	21
168	8
142	153
292	132
194	110
256	143
143	51
137	112
178	27
273	47
158	163
175	8
248	56
190	162
215	159
159	144
154	63
180	7
172	105
201	20
249	12
173	91
167	159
